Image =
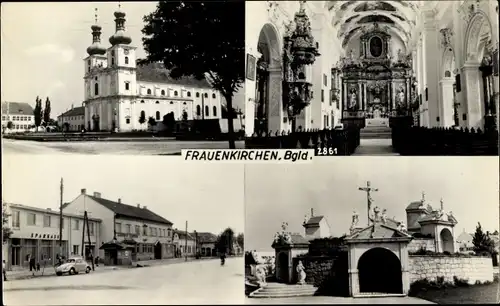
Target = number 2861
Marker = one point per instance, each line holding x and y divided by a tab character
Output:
326	151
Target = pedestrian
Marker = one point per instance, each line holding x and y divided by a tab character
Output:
97	260
32	263
38	266
4	271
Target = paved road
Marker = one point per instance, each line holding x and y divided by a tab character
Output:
198	282
337	300
375	147
11	146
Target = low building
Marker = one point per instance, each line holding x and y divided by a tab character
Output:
72	120
184	244
35	232
17	117
146	234
206	244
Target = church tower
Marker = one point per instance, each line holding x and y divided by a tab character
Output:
121	59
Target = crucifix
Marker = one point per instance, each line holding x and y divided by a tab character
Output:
368	189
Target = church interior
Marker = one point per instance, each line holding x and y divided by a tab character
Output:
333	64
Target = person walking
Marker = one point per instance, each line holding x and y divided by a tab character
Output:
4	270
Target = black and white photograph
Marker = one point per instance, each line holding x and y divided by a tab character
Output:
135	78
373	77
117	230
372	230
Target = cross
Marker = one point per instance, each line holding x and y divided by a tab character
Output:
119	5
95	15
368	191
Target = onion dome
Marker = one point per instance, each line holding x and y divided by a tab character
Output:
96	47
120	36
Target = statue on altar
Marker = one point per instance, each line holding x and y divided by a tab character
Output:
401	96
353	101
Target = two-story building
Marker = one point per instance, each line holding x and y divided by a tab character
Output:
206	243
72	120
137	226
36	232
184	243
17	117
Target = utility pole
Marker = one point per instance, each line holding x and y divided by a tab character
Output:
83	236
61	216
186	242
86	220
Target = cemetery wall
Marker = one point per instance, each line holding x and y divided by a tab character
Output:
422	243
471	268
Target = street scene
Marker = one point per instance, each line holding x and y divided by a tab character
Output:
106	82
180	235
331	231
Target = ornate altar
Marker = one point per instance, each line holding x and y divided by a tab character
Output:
376	84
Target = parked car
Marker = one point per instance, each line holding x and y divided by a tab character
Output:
73	265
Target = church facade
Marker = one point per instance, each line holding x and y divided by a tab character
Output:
122	96
435	61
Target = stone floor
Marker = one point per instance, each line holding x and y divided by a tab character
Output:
375	147
337	300
11	146
195	282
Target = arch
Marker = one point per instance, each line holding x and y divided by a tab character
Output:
270	42
446	238
472	36
215	111
374	264
198	110
283	267
96	89
207	111
448	62
157	115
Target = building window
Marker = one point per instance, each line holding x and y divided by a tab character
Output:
157	115
325	80
206	111
127	120
213	96
91	228
142	101
157	102
198	110
128	229
189	94
145	231
31	219
143	114
76	224
126	60
322	95
88	62
215	111
96	89
197	95
162	92
176	93
206	95
137	229
127	85
75	249
149	91
15	219
118	227
46	221
112	61
169	232
113	53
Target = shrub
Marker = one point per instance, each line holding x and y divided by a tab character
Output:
460	282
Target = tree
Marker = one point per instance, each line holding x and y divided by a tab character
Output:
184	116
10	125
212	44
224	243
46	112
240	240
142	118
169	121
38	112
482	242
151	121
6	230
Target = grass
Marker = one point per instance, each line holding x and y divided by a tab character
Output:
459	293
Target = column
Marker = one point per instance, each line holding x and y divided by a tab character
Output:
275	111
344	95
405	273
393	96
432	64
360	93
471	86
364	96
447	107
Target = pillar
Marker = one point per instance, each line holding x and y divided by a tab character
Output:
405	267
344	95
353	272
393	96
275	111
365	98
447	108
360	98
432	64
408	92
471	86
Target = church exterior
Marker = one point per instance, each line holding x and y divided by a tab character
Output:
118	91
435	61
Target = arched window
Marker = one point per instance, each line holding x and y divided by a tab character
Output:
143	114
157	102
149	91
171	102
207	110
112	61
157	115
176	93
189	94
215	111
142	101
126	60
198	110
213	96
197	95
162	92
206	95
96	89
184	103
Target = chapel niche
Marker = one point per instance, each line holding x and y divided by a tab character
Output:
375	45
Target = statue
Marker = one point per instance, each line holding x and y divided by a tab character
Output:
376	214
260	274
354	99
384	216
355	218
402	227
301	273
305	219
401	96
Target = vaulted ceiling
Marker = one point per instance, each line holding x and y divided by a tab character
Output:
399	18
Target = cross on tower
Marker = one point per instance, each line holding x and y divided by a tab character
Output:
95	15
368	189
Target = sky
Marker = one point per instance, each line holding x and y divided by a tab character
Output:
44	44
208	196
276	193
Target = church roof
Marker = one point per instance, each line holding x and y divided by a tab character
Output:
156	73
17	108
417	205
378	230
314	220
298	239
435	216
